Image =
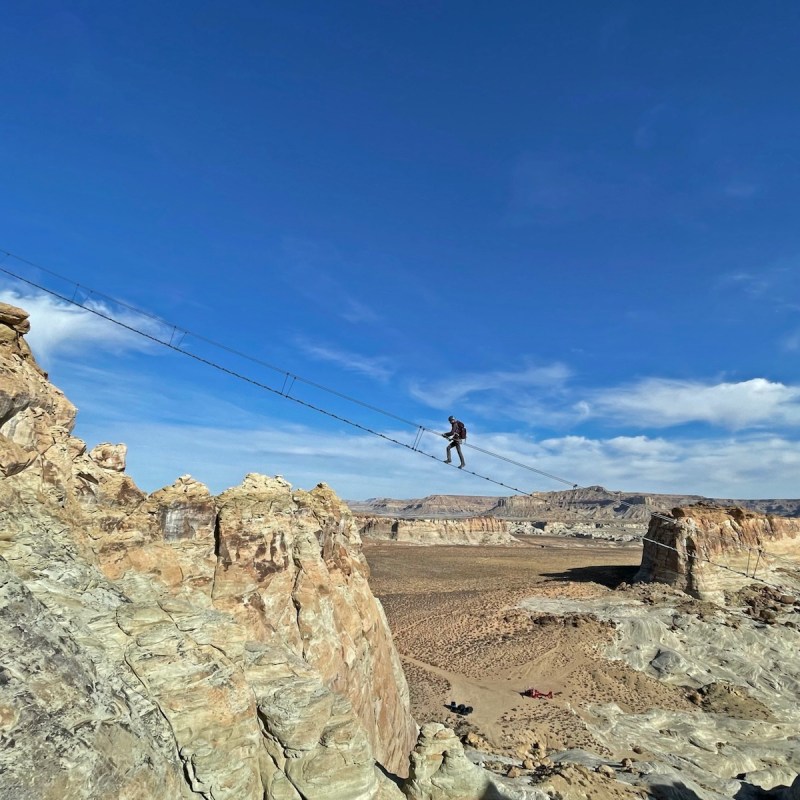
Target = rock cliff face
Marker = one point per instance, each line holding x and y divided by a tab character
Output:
432	506
576	505
737	540
572	507
179	645
467	531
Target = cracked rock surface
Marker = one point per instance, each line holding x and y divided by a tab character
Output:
179	645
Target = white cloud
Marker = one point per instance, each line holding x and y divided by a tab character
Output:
358	466
498	388
377	368
59	329
659	403
751	466
174	428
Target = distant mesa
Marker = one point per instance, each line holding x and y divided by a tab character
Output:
570	505
592	512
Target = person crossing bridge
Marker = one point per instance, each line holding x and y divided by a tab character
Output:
456	435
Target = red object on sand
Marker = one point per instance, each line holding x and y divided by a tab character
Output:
537	695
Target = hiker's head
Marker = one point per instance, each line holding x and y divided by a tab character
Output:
451	419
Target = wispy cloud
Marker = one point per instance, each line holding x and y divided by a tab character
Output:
741	190
751	283
377	368
544	185
128	394
556	188
791	342
173	427
498	387
311	267
60	330
546	397
356	312
661	403
779	283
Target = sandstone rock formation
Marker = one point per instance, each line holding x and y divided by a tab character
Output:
109	456
431	507
576	505
579	506
466	531
742	676
440	770
678	551
179	645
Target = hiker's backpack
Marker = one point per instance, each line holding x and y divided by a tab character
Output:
462	430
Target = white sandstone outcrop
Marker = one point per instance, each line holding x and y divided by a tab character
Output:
179	645
466	531
744	674
440	770
705	550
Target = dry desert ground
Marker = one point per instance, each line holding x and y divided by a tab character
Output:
453	613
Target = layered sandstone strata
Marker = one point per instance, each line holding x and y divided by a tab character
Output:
705	550
179	644
468	531
591	504
576	505
434	505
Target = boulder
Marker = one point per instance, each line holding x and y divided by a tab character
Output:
109	456
14	318
441	771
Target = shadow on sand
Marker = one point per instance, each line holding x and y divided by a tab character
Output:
677	791
610	576
748	791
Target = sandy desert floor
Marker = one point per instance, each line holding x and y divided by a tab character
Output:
453	612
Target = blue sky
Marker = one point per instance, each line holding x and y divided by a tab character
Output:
572	225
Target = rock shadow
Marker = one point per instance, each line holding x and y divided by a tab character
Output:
395	779
749	791
610	576
674	791
493	793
